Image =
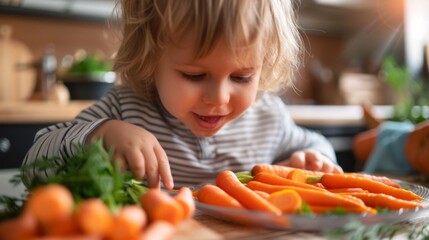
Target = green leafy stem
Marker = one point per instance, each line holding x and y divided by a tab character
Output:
90	173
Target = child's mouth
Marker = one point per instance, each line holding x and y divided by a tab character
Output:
209	121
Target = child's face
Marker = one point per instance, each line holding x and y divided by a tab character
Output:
207	93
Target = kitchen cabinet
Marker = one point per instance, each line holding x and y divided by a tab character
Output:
15	140
76	10
19	122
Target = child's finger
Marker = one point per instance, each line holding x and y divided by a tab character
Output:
337	169
121	161
313	160
327	168
152	173
136	162
164	167
330	167
297	160
319	162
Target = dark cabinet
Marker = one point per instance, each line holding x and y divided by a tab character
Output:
15	140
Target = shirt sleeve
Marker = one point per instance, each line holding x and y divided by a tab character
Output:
296	138
60	140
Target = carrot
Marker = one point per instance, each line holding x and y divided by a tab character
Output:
297	175
312	197
195	194
175	191
159	230
213	195
280	170
273	179
319	185
313	179
161	206
286	200
264	195
50	203
128	223
346	190
249	199
72	237
62	228
94	218
22	227
380	179
385	201
283	171
332	180
332	209
186	200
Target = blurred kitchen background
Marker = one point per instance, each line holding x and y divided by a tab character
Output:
357	52
346	42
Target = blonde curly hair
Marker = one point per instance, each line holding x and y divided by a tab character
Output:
149	26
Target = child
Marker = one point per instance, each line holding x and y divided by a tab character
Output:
197	98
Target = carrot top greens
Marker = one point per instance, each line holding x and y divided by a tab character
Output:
358	230
91	172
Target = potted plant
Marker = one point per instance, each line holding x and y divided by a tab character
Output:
412	99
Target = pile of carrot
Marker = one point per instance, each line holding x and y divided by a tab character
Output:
284	190
51	212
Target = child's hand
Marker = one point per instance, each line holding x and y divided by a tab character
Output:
312	160
138	149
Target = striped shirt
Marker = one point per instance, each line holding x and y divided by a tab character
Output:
265	133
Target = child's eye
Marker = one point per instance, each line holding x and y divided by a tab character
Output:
193	77
242	79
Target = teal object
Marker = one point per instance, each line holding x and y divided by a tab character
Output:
388	155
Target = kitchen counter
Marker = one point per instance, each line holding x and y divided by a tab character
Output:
308	115
334	115
40	112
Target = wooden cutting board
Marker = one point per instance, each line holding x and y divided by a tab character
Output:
193	230
17	77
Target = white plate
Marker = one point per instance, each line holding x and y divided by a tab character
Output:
318	222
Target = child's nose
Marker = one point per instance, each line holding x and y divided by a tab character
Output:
216	94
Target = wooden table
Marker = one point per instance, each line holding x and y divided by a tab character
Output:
220	229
